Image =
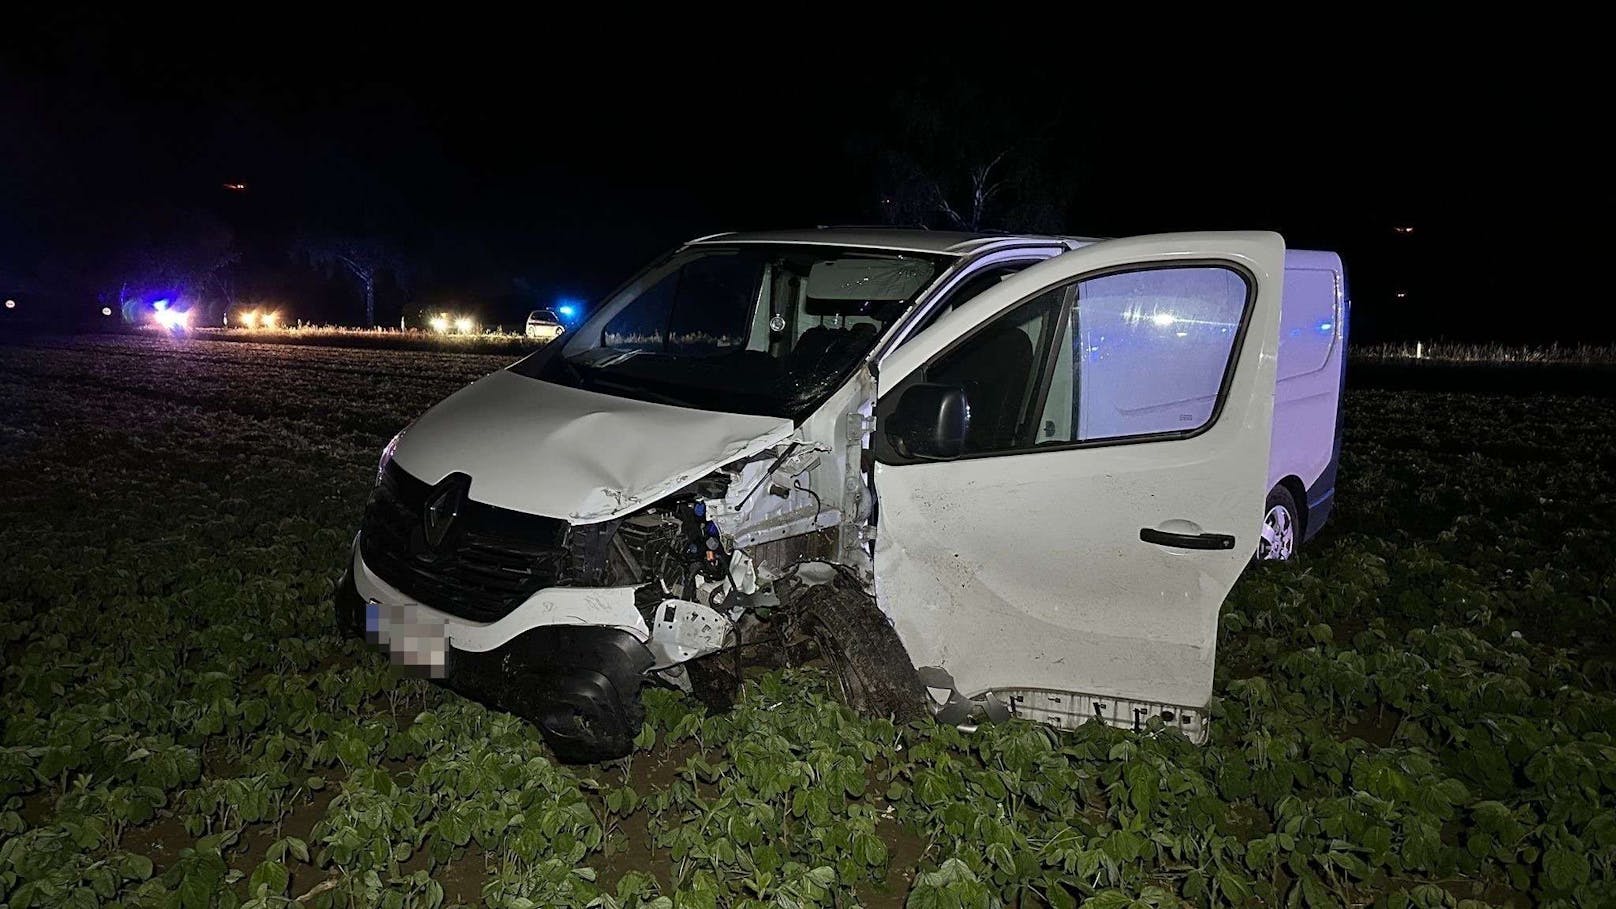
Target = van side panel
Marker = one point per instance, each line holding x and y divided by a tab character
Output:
1321	493
1307	388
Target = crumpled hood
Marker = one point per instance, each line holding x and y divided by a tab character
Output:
562	452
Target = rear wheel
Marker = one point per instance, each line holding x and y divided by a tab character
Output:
861	648
1281	527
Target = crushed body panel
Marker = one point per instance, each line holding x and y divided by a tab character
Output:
550	450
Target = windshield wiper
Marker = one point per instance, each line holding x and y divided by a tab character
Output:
574	373
637	391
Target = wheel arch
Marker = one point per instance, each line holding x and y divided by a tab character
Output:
1298	490
870	648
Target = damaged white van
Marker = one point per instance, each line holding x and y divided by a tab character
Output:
984	476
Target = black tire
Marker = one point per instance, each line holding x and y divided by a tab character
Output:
590	734
580	685
349	607
1279	498
862	650
715	681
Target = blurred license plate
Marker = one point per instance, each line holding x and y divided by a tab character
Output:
413	637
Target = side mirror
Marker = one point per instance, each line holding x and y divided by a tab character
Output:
930	422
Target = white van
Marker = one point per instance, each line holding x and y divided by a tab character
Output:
980	475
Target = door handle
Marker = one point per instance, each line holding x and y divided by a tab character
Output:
1186	540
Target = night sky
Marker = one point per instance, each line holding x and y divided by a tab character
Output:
528	163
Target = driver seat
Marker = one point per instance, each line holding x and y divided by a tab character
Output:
996	372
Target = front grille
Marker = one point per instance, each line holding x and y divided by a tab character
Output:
489	562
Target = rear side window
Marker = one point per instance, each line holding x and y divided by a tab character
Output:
1146	352
1307	327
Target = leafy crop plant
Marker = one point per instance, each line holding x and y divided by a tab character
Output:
1417	713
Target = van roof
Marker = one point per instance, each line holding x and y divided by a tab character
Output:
955	243
906	239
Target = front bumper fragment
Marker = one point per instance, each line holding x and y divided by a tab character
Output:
580	684
602	607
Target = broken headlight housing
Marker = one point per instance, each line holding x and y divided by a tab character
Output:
387	454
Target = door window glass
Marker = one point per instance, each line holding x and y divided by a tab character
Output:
1148	352
1137	353
1002	370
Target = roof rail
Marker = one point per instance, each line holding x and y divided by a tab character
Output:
871	227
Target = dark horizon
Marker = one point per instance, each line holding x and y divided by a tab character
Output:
512	176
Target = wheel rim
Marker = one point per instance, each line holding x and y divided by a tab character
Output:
1278	534
846	684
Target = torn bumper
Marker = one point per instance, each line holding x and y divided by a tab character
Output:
604	607
578	680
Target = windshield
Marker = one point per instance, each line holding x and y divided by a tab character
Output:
760	329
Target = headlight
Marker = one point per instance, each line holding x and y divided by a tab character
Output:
387	455
172	319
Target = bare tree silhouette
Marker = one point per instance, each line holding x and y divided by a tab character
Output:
366	259
955	156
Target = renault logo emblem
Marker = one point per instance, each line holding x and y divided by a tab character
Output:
443	507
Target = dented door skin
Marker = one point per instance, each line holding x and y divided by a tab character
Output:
1063	580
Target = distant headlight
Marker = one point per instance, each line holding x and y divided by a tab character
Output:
172	319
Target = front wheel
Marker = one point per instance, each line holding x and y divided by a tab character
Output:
862	649
349	607
1281	527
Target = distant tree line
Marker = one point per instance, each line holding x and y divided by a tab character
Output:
191	257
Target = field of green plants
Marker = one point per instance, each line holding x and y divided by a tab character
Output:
1419	713
489	341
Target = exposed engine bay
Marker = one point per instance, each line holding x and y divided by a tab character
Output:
707	559
765	556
